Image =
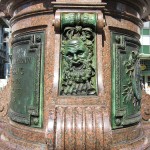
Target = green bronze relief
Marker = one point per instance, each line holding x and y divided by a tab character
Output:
132	90
27	79
126	80
78	55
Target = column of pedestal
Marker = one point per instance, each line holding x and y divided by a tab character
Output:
32	74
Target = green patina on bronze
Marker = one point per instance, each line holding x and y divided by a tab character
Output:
26	106
126	80
78	54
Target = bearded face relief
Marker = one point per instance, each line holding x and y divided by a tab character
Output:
78	71
78	54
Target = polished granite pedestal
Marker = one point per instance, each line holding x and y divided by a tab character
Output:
75	75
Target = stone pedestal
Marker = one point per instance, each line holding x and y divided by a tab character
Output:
145	109
75	75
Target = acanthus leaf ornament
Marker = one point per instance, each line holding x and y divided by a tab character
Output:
131	90
78	54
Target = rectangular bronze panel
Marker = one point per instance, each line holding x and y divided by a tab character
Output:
27	79
126	88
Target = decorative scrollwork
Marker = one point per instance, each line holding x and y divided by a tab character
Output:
78	55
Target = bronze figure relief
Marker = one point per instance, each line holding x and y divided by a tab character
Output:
78	55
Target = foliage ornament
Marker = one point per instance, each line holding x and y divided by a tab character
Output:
132	68
78	69
126	80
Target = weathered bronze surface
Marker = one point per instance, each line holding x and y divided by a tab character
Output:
78	61
27	81
126	91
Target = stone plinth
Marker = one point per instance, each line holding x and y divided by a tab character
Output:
75	75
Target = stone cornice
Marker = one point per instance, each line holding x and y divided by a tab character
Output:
142	6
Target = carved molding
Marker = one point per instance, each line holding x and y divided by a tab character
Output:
85	4
75	128
100	22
